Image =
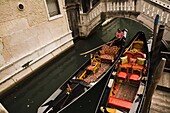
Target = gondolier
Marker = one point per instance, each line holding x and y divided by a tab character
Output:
119	33
120	37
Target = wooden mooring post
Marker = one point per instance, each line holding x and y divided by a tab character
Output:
156	77
156	65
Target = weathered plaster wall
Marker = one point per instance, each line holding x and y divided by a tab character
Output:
29	35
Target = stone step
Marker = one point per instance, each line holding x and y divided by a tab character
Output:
163	94
160	102
159	110
165	80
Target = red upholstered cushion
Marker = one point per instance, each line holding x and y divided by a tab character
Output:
134	77
137	67
112	101
107	57
113	49
132	61
105	48
122	75
90	67
102	52
126	65
129	54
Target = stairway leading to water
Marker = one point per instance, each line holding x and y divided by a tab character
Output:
161	98
160	102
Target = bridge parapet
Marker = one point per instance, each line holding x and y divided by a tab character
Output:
89	20
151	9
147	11
121	6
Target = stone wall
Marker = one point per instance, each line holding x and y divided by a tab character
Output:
72	7
30	37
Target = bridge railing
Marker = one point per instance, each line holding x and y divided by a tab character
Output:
121	6
92	18
147	9
151	9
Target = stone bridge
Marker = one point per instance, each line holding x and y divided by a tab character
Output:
142	11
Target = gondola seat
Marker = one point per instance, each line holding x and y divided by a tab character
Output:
139	55
134	77
129	54
93	67
137	69
125	65
122	75
116	102
108	53
139	66
138	45
95	63
106	57
134	61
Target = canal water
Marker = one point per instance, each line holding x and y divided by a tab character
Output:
28	95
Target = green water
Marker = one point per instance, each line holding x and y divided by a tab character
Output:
27	96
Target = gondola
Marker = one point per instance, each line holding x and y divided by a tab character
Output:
87	76
126	86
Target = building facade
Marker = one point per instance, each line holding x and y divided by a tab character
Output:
31	33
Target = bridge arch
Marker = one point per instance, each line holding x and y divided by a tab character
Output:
128	9
106	31
110	19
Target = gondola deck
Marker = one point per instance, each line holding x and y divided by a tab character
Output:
93	76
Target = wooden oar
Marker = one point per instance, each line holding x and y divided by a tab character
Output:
98	47
130	45
91	50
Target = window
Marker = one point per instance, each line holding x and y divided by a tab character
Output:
53	7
